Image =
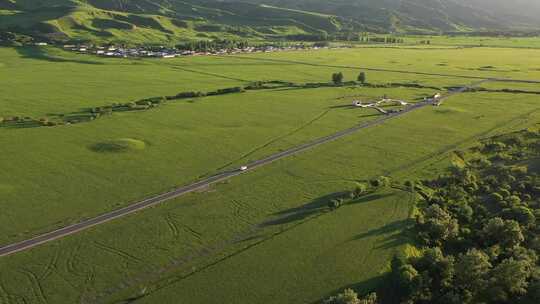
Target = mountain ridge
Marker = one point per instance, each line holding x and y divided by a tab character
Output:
168	21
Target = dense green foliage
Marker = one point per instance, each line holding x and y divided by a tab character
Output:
348	296
479	228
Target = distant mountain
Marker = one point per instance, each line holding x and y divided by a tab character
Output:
427	15
169	21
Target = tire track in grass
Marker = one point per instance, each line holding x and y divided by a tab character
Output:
193	232
118	252
175	280
154	275
4	295
51	265
70	261
173	229
35	285
177	221
241	211
258	228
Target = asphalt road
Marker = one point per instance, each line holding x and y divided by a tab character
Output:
158	199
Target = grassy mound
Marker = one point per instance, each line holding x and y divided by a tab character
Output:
118	145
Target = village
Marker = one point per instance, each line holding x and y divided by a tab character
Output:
120	51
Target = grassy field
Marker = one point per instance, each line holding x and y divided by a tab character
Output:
264	237
511	42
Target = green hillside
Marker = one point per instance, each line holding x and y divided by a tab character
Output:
427	15
157	21
170	21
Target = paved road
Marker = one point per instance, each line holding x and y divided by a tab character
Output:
158	199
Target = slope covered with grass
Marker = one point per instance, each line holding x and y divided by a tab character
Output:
138	21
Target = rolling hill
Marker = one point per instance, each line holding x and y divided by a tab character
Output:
427	15
165	21
170	21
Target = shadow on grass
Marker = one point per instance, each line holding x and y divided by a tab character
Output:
396	232
317	206
38	53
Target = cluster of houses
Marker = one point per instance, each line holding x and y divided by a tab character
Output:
164	52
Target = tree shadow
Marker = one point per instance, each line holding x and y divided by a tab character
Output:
290	215
369	197
317	206
396	231
38	53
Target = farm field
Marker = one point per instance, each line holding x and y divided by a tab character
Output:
511	42
269	227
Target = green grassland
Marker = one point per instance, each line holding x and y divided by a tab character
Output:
266	236
111	80
511	42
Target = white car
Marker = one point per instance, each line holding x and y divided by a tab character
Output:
243	168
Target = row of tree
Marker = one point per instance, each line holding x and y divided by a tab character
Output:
338	78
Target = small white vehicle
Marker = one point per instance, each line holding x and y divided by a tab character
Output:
243	168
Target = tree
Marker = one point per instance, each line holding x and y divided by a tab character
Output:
359	191
506	233
507	279
369	299
337	78
471	271
521	214
437	224
348	296
362	77
438	268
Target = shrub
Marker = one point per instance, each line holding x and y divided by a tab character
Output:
226	91
349	296
335	203
337	78
187	95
